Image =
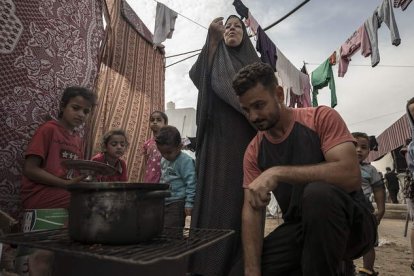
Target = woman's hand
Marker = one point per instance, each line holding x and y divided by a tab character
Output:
216	30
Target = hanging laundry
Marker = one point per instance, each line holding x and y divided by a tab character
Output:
241	9
359	39
289	74
252	24
302	100
332	58
295	100
164	24
305	85
321	77
402	3
266	48
383	13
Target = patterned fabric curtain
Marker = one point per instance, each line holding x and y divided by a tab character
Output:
45	46
130	84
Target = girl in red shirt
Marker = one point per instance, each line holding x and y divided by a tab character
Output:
114	145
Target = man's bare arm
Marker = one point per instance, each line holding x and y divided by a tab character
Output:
252	236
341	169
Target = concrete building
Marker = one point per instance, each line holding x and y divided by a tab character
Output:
184	119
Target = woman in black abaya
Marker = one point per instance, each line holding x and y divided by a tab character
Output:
223	133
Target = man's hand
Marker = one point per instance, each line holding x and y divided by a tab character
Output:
216	30
261	187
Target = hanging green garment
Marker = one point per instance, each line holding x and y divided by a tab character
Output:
321	77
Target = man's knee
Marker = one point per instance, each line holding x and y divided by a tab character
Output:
322	199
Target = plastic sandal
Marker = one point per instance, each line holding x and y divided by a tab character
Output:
367	272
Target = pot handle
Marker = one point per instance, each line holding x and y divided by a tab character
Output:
155	194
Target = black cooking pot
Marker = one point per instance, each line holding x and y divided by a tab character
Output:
116	212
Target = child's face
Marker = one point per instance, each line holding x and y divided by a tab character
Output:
362	148
411	109
116	146
156	122
169	152
75	112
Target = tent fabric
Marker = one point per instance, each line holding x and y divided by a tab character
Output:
135	22
130	85
50	45
392	138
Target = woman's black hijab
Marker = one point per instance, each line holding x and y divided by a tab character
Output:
226	63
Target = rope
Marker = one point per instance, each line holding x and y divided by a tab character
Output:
379	65
186	17
184	53
287	15
181	60
268	27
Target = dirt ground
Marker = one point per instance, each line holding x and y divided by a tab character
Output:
393	253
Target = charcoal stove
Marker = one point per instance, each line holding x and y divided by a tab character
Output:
166	254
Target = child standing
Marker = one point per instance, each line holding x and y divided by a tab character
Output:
371	184
114	144
158	119
44	178
178	170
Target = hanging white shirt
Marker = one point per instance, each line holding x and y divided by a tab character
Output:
164	24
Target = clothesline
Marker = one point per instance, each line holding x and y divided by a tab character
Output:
183	53
266	28
187	18
377	117
287	15
368	65
181	60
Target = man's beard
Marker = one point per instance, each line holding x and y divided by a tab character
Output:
266	126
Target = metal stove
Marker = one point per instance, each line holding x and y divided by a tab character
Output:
167	251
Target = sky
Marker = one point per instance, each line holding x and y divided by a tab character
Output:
369	99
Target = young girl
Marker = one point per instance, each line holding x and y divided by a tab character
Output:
158	119
114	143
44	177
43	189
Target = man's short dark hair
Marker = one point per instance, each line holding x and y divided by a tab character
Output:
252	74
168	135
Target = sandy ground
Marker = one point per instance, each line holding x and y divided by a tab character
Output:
393	252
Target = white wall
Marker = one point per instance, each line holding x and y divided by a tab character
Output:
184	119
386	161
